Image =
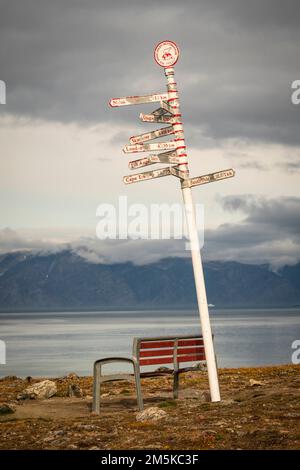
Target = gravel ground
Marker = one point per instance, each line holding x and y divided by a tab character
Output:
260	409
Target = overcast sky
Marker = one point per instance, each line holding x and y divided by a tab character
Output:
61	144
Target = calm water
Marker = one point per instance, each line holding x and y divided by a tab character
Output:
52	344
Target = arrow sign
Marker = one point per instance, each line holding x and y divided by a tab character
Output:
166	157
167	107
179	174
172	145
159	112
210	178
134	164
129	100
151	135
153	118
147	175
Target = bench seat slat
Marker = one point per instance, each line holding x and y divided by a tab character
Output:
157	352
170	343
169	359
190	342
156	360
169	352
195	357
195	350
156	344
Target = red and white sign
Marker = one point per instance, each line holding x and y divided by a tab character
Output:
166	157
147	175
179	174
129	100
166	53
219	175
134	164
172	145
136	139
153	118
170	157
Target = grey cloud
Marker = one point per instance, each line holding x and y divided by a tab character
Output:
237	245
63	60
277	216
255	165
10	240
94	250
268	233
291	165
244	160
136	251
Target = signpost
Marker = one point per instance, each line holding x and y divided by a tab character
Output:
166	157
152	135
129	100
153	118
219	175
166	55
147	147
147	175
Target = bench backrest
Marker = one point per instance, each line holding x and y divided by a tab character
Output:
168	350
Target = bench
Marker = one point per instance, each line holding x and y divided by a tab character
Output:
160	351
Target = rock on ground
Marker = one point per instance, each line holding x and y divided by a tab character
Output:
40	390
151	414
6	408
255	383
74	391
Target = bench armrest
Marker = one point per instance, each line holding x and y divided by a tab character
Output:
98	379
107	360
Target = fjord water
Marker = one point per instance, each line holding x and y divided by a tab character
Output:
54	344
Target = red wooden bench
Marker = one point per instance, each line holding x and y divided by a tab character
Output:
173	352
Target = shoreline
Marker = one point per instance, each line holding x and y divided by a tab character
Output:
36	378
144	308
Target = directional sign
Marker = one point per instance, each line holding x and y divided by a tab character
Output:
166	53
134	164
172	145
166	157
129	100
169	157
210	178
147	175
136	139
153	118
168	107
159	112
179	174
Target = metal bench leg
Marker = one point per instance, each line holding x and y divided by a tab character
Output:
96	388
138	387
175	384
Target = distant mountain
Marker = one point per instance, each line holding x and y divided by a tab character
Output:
65	280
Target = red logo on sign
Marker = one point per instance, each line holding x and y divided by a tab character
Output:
166	53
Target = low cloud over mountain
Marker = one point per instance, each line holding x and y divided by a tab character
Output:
66	281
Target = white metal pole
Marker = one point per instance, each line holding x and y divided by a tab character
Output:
195	248
201	295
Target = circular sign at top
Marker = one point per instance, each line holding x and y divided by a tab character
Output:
166	53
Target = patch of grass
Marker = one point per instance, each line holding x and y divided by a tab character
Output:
141	425
168	404
205	406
